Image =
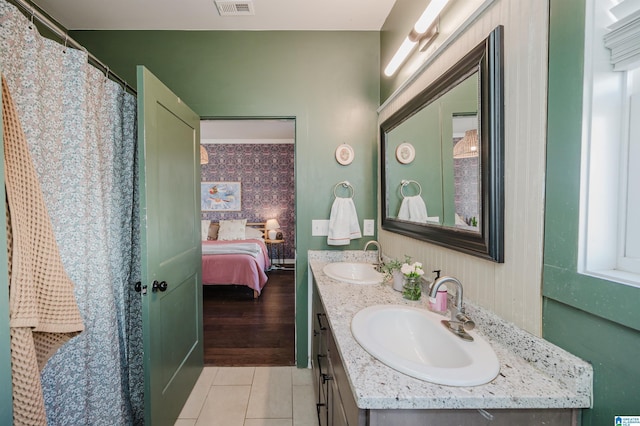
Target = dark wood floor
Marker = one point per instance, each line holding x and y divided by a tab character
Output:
242	331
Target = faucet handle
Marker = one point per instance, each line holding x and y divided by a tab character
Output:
466	322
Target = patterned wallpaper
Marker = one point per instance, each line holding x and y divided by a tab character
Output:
266	173
466	182
465	175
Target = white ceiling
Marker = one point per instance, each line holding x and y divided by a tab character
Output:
356	15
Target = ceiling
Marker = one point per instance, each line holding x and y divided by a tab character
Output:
329	15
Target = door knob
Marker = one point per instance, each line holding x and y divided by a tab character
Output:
159	286
138	287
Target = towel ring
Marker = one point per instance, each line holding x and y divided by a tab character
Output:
405	182
346	184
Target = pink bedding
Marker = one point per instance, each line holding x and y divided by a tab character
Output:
240	269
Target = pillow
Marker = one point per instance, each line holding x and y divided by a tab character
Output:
232	230
213	231
204	229
253	233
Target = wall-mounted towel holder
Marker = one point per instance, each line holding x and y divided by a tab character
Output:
345	184
405	182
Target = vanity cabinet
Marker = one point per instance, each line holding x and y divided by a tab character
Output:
334	400
337	407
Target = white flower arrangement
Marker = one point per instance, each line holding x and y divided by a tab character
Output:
413	270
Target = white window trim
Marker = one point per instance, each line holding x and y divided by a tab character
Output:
604	162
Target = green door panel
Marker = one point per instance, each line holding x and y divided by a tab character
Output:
169	135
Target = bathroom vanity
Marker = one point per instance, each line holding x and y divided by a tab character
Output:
538	383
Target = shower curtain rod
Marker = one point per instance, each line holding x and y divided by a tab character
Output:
33	13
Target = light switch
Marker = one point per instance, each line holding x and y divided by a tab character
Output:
369	227
319	228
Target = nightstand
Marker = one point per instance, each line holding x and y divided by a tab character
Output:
276	252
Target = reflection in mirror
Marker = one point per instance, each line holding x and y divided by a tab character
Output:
466	171
451	192
405	202
450	178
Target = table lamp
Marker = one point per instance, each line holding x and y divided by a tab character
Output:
271	226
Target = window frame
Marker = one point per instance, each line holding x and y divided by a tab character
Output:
606	161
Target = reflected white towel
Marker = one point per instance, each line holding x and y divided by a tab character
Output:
343	223
413	209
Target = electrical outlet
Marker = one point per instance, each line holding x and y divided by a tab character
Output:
369	227
319	228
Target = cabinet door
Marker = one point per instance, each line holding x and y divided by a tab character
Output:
337	414
325	415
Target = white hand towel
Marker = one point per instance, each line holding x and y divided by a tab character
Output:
343	223
403	212
417	209
413	209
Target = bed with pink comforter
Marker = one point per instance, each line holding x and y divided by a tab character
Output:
240	262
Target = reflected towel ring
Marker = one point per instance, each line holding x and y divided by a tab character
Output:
405	182
346	184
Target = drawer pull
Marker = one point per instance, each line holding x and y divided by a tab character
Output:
319	316
326	378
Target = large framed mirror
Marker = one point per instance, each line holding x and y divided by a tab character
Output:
442	158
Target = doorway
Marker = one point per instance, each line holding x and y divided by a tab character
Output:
256	156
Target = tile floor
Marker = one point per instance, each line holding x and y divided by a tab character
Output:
251	396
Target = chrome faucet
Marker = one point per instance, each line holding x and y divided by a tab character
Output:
459	321
379	264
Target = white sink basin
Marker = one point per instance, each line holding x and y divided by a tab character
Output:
413	341
353	272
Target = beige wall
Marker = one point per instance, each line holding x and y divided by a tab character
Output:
512	289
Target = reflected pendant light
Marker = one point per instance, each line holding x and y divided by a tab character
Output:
204	156
467	146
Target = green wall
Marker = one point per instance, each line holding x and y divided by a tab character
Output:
595	319
327	81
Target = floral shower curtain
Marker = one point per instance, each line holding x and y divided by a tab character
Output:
81	131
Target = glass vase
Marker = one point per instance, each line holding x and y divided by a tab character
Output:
411	289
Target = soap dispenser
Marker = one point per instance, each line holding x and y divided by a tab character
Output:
439	303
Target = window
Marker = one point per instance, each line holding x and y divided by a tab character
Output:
610	192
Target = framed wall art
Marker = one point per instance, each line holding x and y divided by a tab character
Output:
344	154
405	153
220	196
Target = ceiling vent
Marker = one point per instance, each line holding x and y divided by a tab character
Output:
235	7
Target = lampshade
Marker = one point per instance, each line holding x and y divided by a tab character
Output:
272	224
204	156
467	146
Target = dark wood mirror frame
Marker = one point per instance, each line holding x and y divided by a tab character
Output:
487	60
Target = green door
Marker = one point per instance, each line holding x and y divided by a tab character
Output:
169	139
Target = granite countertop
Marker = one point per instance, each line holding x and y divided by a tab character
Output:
533	372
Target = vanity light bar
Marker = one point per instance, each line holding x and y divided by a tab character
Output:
405	48
429	15
423	24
